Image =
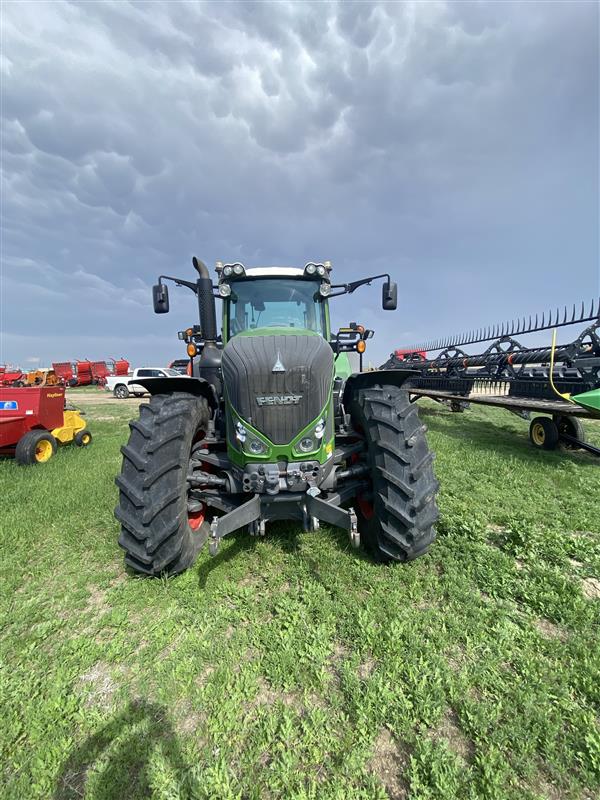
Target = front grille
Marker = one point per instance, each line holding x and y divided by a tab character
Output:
248	363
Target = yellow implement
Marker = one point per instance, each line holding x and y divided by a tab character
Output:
72	429
41	377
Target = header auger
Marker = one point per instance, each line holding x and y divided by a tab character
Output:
275	425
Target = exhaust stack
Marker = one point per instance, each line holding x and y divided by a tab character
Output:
209	363
206	301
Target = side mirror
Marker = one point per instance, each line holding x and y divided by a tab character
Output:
160	298
389	296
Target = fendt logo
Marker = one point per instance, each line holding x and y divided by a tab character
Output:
278	399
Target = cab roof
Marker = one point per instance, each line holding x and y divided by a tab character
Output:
258	272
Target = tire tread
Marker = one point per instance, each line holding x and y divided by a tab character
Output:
405	511
155	533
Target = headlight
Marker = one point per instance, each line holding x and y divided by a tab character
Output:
320	270
228	270
255	447
224	289
251	444
310	268
311	442
325	289
238	269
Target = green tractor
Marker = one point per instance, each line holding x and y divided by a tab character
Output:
274	425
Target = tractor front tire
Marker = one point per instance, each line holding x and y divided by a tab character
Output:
35	447
396	520
158	534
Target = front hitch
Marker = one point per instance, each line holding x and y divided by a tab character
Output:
255	512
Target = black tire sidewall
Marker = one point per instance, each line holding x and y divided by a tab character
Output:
78	438
198	422
551	434
572	427
26	446
368	526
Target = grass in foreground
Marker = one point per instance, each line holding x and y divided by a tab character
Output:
294	667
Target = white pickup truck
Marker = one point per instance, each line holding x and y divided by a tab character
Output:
124	385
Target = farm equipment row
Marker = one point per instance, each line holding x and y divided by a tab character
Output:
66	373
562	381
34	422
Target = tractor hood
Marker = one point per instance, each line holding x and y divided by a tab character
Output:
278	382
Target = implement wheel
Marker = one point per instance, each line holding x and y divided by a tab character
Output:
396	518
571	426
35	447
162	527
82	438
543	433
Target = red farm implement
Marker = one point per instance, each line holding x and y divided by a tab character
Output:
33	422
410	355
11	376
100	372
64	372
118	366
84	373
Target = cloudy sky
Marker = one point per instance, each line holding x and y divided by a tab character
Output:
454	144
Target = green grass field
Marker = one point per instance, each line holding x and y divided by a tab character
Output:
295	667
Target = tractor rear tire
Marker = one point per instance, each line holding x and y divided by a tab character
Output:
153	503
396	522
35	447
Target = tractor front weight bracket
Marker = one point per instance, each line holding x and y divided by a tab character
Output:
243	515
306	507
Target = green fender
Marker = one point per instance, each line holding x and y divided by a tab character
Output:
589	400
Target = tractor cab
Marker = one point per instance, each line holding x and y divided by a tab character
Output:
277	366
286	298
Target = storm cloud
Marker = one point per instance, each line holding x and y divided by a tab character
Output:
455	145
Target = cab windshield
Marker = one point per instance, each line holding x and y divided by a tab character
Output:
275	303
